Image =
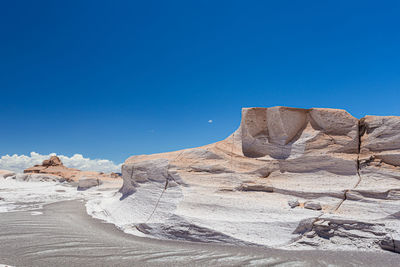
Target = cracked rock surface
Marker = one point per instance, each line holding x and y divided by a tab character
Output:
237	190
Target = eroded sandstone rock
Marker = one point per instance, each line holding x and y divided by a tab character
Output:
241	186
53	161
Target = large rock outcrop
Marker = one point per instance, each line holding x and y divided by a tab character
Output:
237	190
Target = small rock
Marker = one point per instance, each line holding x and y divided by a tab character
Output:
391	243
312	205
86	183
293	203
6	174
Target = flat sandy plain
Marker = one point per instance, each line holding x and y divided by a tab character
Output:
62	234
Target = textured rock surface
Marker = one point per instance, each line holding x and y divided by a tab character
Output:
238	190
53	161
86	183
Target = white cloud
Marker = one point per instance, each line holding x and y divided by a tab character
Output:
19	163
210	121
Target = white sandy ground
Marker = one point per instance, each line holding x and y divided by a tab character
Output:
18	195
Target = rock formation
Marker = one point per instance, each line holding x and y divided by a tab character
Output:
344	172
6	173
86	183
54	167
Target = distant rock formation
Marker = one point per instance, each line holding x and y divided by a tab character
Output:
344	172
6	173
55	168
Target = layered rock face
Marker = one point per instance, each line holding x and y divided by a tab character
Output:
287	178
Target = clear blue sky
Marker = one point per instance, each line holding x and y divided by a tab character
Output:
109	79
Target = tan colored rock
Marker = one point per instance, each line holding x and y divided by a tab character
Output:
55	167
53	161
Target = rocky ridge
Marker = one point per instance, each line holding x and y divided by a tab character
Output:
56	170
287	178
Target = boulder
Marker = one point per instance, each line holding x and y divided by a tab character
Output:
293	203
312	205
5	174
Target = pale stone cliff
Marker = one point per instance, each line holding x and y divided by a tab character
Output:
286	178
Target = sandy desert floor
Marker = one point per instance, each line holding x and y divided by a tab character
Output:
62	234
